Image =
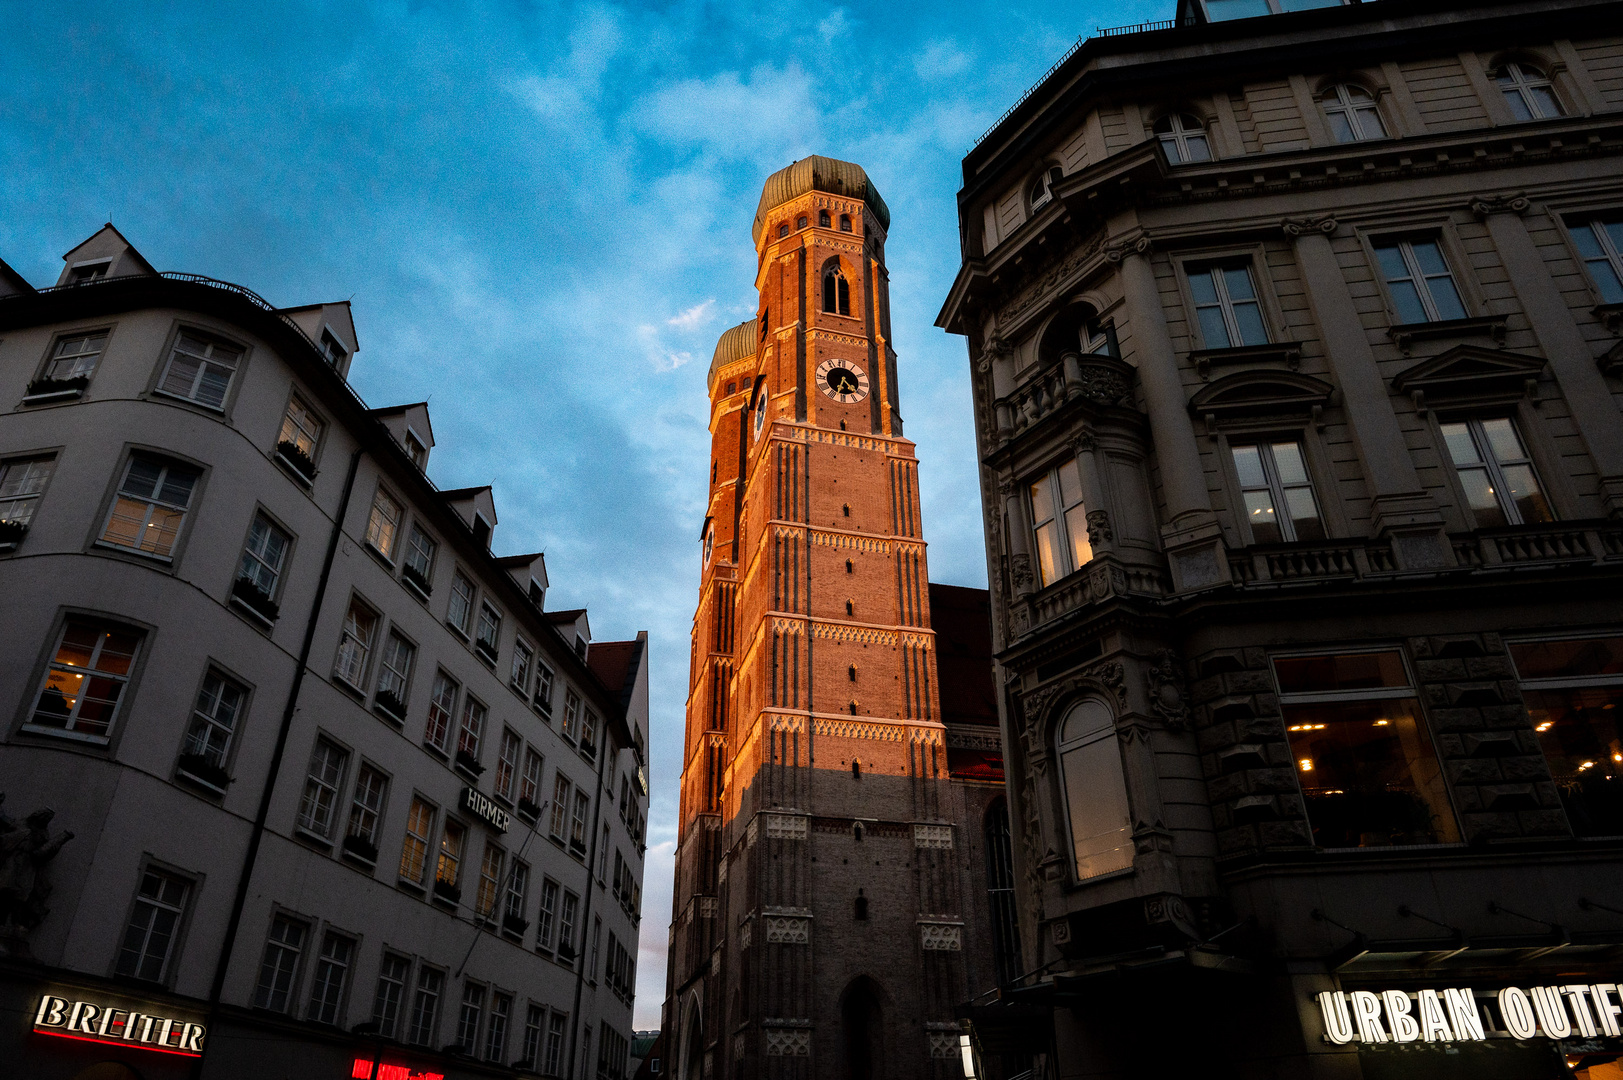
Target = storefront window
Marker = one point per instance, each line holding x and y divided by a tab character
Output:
1095	790
1574	690
1363	757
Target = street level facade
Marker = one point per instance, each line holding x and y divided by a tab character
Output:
299	778
841	797
1296	341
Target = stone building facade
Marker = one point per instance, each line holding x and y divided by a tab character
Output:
841	796
1295	344
340	789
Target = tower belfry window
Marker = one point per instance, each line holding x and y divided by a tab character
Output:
845	222
836	292
822	218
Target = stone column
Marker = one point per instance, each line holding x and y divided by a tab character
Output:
1402	510
1594	412
1020	569
1090	470
1191	536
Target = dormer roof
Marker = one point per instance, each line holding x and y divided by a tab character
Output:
321	322
817	173
106	249
13	283
472	505
411	419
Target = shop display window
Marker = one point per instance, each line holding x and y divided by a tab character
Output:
1574	695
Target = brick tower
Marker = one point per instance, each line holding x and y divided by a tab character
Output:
818	923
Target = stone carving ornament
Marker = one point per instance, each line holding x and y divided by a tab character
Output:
1294	227
1099	528
1515	203
25	852
1167	698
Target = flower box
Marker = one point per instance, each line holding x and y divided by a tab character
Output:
445	890
465	760
297	460
386	702
528	809
413	577
249	594
512	924
47	389
361	848
12	533
204	771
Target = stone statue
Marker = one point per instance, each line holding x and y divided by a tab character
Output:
24	887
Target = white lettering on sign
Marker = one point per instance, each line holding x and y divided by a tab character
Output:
104	1023
481	805
1584	1010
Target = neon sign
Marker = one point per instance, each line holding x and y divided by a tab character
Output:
363	1071
1452	1015
102	1023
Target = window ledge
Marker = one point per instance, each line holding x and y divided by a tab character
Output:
1288	353
1406	334
372	549
199	783
438	752
388	714
414	588
259	618
347	686
72	736
167	560
160	392
457	630
53	395
413	887
313	839
303	479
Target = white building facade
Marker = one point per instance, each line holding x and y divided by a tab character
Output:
344	798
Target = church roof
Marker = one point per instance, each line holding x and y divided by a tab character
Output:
817	173
735	344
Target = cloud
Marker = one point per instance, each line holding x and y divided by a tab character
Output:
732	116
693	317
941	60
836	24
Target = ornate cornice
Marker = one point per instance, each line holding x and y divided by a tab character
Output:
1485	206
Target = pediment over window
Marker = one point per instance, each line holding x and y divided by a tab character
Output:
1470	371
1262	393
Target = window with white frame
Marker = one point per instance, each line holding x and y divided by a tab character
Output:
300	434
1352	113
543	687
213	723
263	556
523	659
448	868
153	929
1600	244
1183	137
1095	789
394	675
529	785
1042	188
332	349
1278	493
472	731
571	714
319	804
200	369
383	527
518	886
419	569
22	482
87	679
280	964
561	788
490	881
151	505
566	925
1573	690
1227	306
394	975
425	1006
490	631
460	612
501	1006
419	835
577	827
1419	281
588	734
546	918
557	1026
416	450
331	977
1496	472
355	644
535	1022
1363	756
366	812
441	708
1528	92
1059	523
507	763
75	356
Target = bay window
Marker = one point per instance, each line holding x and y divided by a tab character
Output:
1094	788
1059	523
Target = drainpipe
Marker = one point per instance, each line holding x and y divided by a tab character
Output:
586	915
251	856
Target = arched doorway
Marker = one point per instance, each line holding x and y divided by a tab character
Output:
862	1030
690	1056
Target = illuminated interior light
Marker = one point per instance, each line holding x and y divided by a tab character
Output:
1586	765
1546	726
1617	757
1306	764
1382	723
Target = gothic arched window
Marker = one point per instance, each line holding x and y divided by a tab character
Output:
1183	138
1095	789
836	291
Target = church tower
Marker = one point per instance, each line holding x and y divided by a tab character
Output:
818	925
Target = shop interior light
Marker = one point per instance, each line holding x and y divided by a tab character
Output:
1306	764
1307	727
1382	723
1546	726
1586	765
968	1053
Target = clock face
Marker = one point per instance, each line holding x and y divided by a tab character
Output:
842	380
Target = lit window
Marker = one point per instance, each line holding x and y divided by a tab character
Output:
425	1006
200	369
213	723
394	675
355	645
414	853
1528	92
1227	306
501	1005
332	975
1183	138
1574	696
490	630
448	870
318	805
279	964
1419	281
419	569
507	763
1274	476
75	356
391	992
836	292
1600	243
1042	189
561	788
1363	756
471	732
262	558
383	527
86	680
490	882
441	708
1095	790
300	434
151	506
366	813
22	482
1059	522
588	734
1500	485
571	714
460	613
1352	113
523	656
149	937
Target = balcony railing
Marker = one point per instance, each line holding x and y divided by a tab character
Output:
1597	542
1102	380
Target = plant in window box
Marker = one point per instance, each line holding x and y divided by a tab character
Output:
361	848
247	592
447	891
465	760
486	650
414	577
295	456
12	533
566	953
389	703
44	387
528	809
201	769
514	925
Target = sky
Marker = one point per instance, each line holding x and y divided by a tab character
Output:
541	214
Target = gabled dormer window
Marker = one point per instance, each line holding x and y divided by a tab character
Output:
416	450
332	350
85	272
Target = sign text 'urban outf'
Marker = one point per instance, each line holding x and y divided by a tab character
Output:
1585	1010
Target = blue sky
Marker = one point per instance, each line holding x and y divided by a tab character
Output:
541	212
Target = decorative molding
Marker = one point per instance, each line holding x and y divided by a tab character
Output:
943	1044
786	826
787	929
1288	353
750	833
707	907
788	1042
873	731
1484	206
1294	227
1167	698
960	737
1406	334
1118	250
933	836
715	964
869	544
941	936
1099	528
1061	930
1470	371
1113	677
746	933
1046	281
